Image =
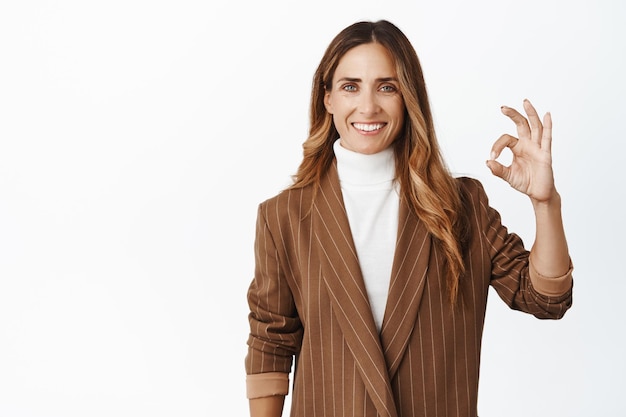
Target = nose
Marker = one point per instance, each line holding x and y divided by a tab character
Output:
368	102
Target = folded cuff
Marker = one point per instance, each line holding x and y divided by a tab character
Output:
551	286
267	384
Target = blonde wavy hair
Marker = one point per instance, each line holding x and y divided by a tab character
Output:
426	184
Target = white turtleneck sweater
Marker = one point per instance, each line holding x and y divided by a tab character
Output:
372	203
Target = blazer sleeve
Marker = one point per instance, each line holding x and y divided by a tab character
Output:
275	328
512	275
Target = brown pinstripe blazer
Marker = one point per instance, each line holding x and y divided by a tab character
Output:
308	300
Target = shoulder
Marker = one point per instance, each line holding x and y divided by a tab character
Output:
471	187
474	199
286	217
287	203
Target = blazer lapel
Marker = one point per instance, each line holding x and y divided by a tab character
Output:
344	282
408	278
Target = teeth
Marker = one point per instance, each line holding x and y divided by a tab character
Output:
368	127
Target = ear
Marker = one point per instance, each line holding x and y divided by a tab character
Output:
327	102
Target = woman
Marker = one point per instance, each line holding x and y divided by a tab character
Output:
373	268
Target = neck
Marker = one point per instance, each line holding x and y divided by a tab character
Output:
362	169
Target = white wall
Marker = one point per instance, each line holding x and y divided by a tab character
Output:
127	127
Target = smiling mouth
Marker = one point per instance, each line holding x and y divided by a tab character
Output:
369	127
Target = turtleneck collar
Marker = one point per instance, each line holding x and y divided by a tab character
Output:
361	169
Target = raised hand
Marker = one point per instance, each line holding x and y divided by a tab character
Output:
530	171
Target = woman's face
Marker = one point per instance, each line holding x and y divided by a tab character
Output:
365	99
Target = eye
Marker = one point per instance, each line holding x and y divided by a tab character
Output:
349	88
388	88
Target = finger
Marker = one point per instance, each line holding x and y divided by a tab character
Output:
498	169
536	128
523	129
546	138
504	141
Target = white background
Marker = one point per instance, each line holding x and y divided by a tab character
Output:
138	137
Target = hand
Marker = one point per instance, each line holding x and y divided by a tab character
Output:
530	171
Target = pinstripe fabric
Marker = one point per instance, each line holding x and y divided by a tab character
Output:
308	299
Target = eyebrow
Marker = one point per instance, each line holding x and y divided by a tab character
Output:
358	80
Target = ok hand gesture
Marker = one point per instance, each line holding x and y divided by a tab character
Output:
530	171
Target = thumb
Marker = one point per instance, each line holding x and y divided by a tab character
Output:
496	168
